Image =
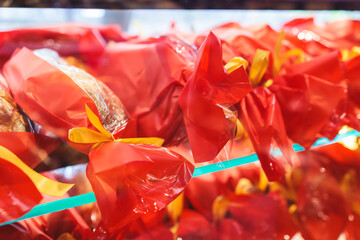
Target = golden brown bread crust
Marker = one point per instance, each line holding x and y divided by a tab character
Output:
117	116
11	120
110	108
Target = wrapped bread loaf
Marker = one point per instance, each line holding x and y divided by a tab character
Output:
11	120
109	106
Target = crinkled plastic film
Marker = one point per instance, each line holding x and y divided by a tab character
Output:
110	108
87	198
130	177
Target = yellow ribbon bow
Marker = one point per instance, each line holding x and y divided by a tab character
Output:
86	135
259	66
43	184
235	63
348	54
279	60
257	69
260	62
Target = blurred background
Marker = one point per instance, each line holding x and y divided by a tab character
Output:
190	4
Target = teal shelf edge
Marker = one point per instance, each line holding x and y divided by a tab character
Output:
215	167
56	206
87	198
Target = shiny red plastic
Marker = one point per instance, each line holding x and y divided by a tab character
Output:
271	209
193	225
207	128
261	116
31	148
132	180
67	39
148	76
309	95
58	105
222	183
18	193
48	227
341	34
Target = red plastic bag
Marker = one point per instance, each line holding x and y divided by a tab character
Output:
31	148
309	95
229	229
148	76
326	66
156	233
327	191
132	180
210	86
18	193
67	39
322	213
111	32
49	96
66	224
341	34
352	231
307	104
261	116
150	226
352	105
262	216
242	41
21	186
351	70
222	182
17	133
193	225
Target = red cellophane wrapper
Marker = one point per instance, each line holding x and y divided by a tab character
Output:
327	194
261	116
71	39
164	174
263	212
148	76
140	179
223	183
254	212
340	34
309	95
248	209
333	206
18	193
30	147
111	32
351	69
3	84
244	41
193	225
150	226
15	135
52	99
63	225
209	87
319	198
306	40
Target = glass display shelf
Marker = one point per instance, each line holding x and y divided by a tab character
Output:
155	22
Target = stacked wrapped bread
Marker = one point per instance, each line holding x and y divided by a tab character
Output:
11	119
109	106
